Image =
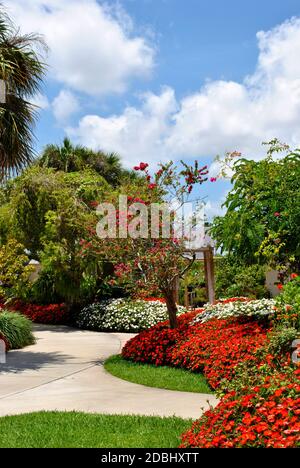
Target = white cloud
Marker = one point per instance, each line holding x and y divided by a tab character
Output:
137	134
93	48
41	101
64	105
213	209
221	116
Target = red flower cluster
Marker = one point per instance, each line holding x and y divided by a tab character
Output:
52	314
217	346
266	416
154	346
153	299
214	347
142	167
234	299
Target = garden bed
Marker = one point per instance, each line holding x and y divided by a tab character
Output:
246	359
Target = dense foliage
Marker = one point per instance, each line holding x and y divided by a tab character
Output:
235	278
47	212
70	158
262	220
288	303
14	270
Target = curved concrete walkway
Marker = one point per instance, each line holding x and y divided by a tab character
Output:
64	371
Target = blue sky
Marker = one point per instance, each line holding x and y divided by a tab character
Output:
168	79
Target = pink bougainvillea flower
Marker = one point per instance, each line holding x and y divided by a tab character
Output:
213	179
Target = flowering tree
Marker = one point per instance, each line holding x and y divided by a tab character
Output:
262	218
142	241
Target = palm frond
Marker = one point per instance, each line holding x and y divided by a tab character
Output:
22	70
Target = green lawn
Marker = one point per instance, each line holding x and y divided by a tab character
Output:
160	377
80	430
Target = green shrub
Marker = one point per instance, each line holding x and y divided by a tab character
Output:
15	270
281	340
288	304
17	329
235	279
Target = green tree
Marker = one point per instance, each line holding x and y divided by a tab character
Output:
22	71
262	221
39	191
48	212
73	158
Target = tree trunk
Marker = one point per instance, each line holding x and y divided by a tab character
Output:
172	309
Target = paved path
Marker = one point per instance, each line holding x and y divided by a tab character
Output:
64	371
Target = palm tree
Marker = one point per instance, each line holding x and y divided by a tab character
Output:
22	71
67	157
73	158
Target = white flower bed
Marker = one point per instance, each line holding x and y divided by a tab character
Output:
258	308
123	315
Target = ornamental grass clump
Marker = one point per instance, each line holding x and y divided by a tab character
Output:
16	329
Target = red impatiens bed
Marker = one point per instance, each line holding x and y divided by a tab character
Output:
214	348
267	415
52	314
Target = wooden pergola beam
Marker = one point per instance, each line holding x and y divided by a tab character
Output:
209	275
2	92
208	259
